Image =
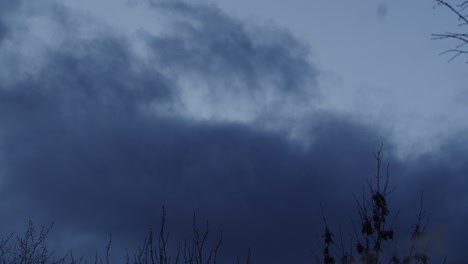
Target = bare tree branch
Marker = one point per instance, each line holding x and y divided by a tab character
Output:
460	37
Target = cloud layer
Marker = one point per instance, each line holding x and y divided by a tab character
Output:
97	137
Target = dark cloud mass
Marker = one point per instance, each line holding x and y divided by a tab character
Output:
382	10
95	141
247	71
208	42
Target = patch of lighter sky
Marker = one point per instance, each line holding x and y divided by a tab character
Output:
383	71
129	16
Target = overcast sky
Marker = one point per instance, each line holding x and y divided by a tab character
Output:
249	113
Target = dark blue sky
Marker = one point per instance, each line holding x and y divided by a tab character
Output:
239	120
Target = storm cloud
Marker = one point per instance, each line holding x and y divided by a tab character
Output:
98	136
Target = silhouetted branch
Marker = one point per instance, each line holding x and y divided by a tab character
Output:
460	37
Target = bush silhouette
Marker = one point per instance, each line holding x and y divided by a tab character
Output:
374	232
32	248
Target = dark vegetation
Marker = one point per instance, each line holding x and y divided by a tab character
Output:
32	248
374	236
